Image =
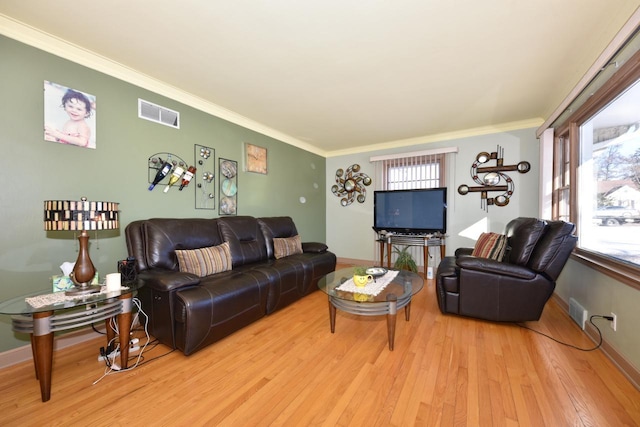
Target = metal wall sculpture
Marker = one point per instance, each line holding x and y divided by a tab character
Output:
352	186
493	175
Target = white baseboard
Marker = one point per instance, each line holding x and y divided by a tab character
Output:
22	354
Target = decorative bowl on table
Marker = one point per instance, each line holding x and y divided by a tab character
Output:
376	271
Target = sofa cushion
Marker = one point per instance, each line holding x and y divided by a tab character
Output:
276	227
162	236
245	238
283	247
205	261
522	236
490	245
550	248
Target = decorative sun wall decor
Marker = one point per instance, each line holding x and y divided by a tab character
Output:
351	187
493	175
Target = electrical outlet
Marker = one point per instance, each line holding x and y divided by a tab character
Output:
614	322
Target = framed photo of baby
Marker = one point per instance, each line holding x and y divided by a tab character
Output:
69	116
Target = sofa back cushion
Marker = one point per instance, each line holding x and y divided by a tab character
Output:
522	236
162	236
246	241
280	227
554	248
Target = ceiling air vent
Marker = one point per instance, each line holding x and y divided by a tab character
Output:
158	114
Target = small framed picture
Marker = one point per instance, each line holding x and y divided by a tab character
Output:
255	159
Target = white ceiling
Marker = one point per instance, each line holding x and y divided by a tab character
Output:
347	75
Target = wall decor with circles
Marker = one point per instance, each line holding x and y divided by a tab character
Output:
490	178
205	176
352	186
228	187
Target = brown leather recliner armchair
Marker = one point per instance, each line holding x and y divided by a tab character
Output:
514	289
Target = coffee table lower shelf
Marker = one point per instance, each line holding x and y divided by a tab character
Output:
389	308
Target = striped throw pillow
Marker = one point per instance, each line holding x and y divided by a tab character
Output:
283	247
490	245
205	261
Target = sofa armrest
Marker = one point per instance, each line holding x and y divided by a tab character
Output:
314	247
167	280
488	265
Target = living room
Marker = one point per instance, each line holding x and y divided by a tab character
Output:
297	182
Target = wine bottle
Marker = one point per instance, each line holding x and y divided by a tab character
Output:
188	175
175	176
162	172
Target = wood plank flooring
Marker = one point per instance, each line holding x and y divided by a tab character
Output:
289	370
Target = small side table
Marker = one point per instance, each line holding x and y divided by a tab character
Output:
42	322
425	241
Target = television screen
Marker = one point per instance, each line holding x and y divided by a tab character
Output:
411	211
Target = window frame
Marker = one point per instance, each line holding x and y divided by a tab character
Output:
627	75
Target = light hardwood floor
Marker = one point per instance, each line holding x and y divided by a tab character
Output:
288	369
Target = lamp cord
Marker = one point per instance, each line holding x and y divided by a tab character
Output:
571	345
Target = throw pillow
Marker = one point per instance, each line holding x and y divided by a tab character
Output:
205	261
490	245
283	247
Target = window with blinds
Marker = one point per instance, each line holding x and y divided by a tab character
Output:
407	173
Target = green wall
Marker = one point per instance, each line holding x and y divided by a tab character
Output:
34	170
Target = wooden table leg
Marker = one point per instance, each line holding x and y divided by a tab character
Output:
392	300
425	257
407	311
42	348
124	328
332	316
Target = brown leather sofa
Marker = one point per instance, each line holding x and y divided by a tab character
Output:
514	289
190	312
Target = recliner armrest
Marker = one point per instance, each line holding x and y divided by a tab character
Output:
167	280
314	247
492	266
463	251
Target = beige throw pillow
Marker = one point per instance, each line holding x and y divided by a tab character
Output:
283	247
205	261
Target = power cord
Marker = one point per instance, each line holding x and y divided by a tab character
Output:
111	367
610	318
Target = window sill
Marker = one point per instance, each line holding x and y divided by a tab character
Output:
623	272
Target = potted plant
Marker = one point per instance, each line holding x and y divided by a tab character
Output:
404	260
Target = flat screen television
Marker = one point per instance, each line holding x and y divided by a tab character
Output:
411	211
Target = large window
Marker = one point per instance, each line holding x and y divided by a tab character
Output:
596	175
609	189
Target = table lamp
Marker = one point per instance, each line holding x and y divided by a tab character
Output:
81	215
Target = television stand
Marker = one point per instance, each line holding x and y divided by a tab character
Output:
424	240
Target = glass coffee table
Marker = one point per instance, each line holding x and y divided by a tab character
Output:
46	315
394	296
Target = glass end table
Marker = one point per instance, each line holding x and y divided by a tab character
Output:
42	318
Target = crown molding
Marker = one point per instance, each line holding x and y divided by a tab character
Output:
445	136
56	46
